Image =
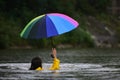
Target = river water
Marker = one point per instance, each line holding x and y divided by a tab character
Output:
76	64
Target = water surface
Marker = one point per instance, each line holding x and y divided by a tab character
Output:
76	64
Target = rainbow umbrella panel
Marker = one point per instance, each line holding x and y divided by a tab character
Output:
48	25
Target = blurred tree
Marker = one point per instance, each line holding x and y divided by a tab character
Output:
100	5
85	7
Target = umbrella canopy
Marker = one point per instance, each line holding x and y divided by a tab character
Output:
48	25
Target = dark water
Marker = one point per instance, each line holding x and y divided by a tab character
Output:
76	64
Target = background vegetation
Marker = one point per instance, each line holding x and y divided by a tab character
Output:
14	15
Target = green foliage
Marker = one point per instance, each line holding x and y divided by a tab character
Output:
9	32
112	22
99	5
4	41
85	7
92	7
81	37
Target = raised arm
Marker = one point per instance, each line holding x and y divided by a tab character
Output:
56	61
54	52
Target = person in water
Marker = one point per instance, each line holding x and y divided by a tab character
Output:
36	63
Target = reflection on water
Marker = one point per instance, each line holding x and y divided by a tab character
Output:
99	64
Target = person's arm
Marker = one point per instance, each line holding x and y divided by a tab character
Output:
56	62
54	52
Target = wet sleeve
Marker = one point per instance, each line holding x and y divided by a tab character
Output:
55	65
39	69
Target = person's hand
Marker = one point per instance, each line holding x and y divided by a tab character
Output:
54	52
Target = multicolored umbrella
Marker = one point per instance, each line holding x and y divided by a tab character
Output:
48	25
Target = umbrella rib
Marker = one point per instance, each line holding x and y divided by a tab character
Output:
50	27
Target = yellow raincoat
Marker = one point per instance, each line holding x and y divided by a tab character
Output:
55	65
39	68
